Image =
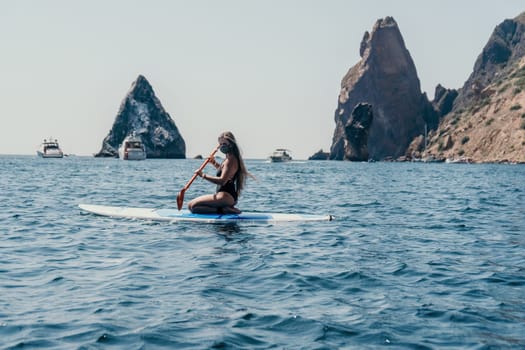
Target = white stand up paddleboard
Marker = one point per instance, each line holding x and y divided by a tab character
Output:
186	215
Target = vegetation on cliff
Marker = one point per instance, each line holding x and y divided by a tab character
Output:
487	121
489	129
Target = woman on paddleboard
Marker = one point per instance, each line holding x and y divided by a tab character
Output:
230	179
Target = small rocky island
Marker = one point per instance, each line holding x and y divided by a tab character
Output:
142	113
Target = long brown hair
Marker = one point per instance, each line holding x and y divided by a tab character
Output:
242	172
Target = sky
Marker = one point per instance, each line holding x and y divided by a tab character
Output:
269	70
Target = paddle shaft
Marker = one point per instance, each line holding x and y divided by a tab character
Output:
180	196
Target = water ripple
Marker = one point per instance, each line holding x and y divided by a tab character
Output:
422	256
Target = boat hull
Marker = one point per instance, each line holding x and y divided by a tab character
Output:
279	159
50	154
132	154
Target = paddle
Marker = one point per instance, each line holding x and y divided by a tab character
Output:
180	196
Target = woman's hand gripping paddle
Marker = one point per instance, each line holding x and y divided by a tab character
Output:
180	196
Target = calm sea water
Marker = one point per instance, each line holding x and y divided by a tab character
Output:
421	256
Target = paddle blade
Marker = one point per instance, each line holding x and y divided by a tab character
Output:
180	199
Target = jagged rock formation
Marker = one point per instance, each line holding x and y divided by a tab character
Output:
444	100
385	78
356	133
487	120
141	112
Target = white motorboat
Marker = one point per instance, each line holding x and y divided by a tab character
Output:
281	155
50	149
132	148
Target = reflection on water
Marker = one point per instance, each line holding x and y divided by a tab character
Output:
227	230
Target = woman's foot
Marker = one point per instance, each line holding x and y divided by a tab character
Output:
230	210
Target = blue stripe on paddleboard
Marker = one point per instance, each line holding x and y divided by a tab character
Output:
171	213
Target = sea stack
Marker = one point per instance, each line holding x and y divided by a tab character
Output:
386	79
142	113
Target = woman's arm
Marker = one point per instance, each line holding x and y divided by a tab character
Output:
228	172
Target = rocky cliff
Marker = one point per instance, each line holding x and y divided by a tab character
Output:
141	112
487	119
385	78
